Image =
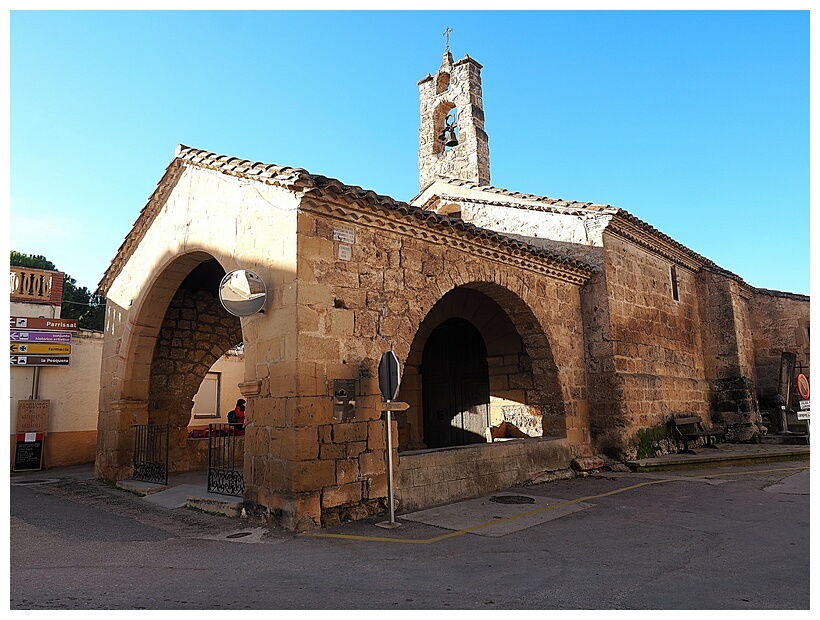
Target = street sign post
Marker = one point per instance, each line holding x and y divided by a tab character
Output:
394	406
389	376
389	379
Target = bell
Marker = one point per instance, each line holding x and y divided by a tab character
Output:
449	136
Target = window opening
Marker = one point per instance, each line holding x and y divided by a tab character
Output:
673	274
443	83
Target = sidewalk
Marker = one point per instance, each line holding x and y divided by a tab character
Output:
189	489
724	455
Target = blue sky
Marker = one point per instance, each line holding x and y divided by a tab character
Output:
695	122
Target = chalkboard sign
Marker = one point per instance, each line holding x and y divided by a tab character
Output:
28	456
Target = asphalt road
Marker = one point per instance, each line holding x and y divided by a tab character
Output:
721	538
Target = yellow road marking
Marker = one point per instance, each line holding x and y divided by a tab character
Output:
529	513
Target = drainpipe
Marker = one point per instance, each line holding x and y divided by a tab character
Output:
35	384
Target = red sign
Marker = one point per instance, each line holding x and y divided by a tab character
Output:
803	385
39	322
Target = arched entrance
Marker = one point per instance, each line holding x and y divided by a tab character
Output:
479	358
162	345
456	385
196	331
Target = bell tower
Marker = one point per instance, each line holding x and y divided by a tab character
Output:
452	140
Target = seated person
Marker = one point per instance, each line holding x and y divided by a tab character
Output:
236	418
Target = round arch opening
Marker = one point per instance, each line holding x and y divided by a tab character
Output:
489	332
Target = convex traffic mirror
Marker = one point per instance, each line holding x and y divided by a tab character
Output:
242	292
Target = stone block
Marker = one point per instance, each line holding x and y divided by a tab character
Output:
307	319
376	486
372	463
347	471
347	432
303	476
588	463
355	448
313	248
301	444
314	294
341	322
318	347
376	438
309	411
308	505
332	451
282	379
340	495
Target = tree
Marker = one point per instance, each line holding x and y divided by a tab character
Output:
78	302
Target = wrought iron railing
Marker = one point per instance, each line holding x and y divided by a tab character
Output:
225	460
151	453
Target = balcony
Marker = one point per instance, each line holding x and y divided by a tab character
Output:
36	285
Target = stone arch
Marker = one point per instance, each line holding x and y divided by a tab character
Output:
196	331
172	339
440	120
525	389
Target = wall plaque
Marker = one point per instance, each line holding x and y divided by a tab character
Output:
344	399
345	234
32	416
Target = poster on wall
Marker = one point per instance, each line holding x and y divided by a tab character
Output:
28	454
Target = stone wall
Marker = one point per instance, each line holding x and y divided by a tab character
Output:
194	216
779	323
728	356
567	234
352	304
643	346
430	478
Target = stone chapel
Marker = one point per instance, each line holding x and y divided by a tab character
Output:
531	331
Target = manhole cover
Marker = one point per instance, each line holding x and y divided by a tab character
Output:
26	481
512	499
238	535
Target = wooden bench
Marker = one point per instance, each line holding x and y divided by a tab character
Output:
690	428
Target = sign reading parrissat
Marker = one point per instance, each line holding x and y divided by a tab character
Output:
39	322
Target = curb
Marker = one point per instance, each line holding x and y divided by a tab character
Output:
797	453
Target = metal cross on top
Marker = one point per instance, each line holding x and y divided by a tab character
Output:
446	35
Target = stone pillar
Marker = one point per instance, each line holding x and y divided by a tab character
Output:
115	439
728	356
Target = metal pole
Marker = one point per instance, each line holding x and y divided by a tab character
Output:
35	384
389	419
390	510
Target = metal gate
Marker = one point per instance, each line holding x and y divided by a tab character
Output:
151	453
225	461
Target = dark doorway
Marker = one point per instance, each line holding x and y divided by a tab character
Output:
456	385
